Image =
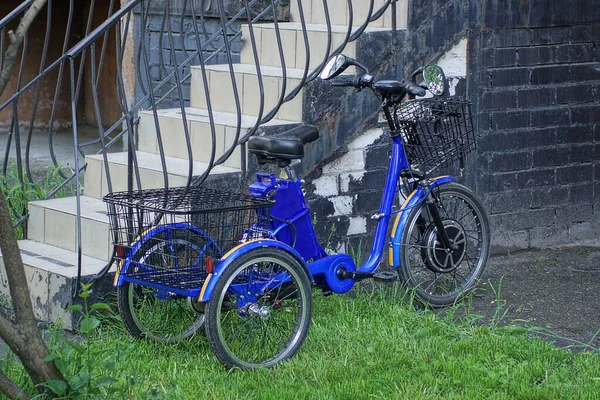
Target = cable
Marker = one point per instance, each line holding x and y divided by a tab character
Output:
290	224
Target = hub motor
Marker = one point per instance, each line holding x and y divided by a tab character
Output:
437	257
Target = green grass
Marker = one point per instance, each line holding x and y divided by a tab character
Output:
360	347
18	195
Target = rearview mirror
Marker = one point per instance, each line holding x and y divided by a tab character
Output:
338	64
335	66
435	79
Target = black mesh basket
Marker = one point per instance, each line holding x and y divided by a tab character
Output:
164	238
437	131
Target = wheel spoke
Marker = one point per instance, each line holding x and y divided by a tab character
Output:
145	314
437	277
423	261
277	308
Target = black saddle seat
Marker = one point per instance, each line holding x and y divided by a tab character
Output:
284	147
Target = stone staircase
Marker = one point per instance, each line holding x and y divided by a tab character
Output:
49	252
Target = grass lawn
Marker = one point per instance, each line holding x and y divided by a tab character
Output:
360	347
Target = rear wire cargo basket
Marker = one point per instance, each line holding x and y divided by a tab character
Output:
437	131
165	237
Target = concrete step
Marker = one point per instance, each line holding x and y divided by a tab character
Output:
151	173
52	275
294	49
53	222
171	127
314	13
246	78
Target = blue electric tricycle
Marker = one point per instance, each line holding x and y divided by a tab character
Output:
244	266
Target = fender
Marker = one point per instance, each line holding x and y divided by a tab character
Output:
411	201
124	264
233	254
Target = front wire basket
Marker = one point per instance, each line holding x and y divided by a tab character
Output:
164	238
437	131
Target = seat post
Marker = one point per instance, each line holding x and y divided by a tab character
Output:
289	170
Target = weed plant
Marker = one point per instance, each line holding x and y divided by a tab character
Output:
18	194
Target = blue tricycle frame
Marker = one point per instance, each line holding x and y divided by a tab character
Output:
320	267
289	229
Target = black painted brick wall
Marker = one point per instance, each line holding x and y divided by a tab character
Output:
537	95
534	80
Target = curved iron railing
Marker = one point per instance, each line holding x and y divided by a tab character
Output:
139	59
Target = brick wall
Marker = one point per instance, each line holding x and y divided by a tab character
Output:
533	75
534	80
348	192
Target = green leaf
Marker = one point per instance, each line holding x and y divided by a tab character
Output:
85	294
75	307
79	380
58	387
100	306
50	357
60	364
105	381
79	348
86	286
88	324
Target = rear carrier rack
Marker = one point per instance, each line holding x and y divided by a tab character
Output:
168	239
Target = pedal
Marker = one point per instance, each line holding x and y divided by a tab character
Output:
355	275
385	276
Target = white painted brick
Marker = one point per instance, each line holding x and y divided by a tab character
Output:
452	84
358	225
326	185
454	62
345	180
342	205
367	139
351	161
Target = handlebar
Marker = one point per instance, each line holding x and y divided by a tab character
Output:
367	81
413	77
352	81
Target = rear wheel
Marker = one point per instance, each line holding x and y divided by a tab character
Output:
157	314
260	310
438	275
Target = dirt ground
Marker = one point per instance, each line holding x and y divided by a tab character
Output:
557	289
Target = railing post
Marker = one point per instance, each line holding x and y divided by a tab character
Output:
244	161
394	21
74	97
394	31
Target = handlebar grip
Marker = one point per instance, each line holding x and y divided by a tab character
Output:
415	90
346	81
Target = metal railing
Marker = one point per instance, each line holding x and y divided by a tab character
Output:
140	58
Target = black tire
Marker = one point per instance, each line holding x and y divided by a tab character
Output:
165	320
280	316
437	277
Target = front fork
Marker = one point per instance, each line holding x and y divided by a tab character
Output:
432	206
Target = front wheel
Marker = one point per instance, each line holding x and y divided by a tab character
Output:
260	310
441	276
